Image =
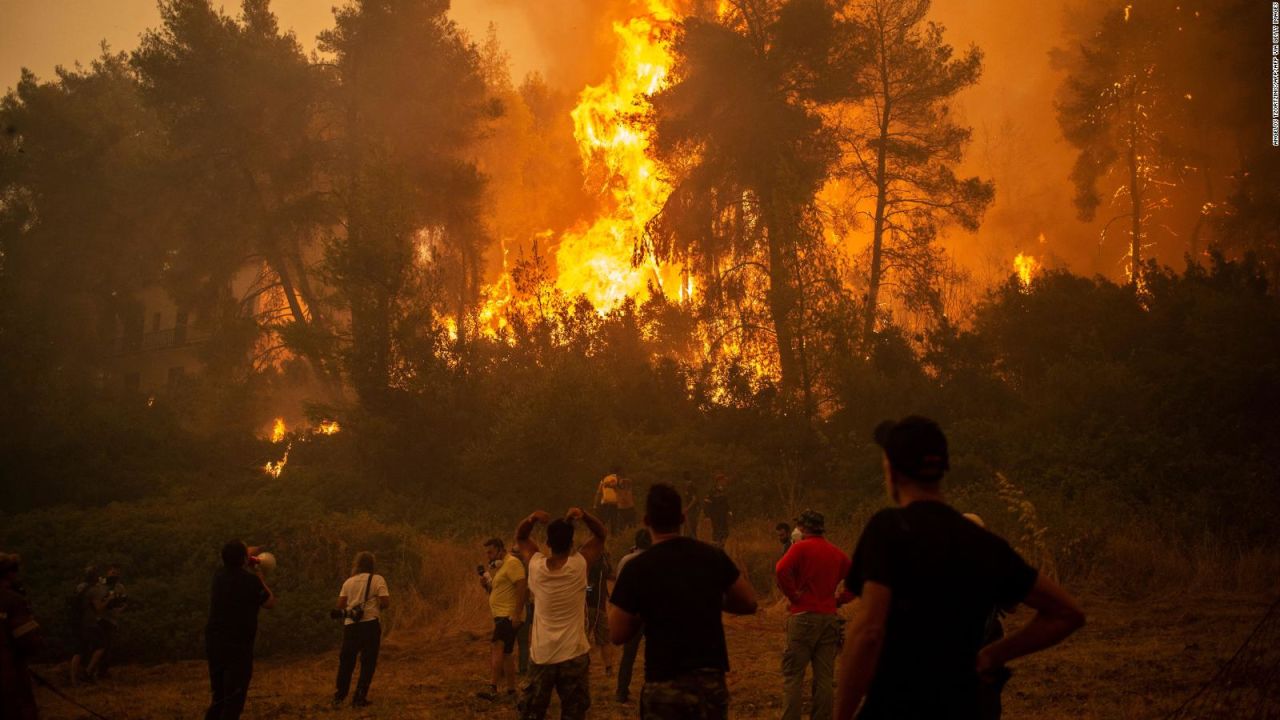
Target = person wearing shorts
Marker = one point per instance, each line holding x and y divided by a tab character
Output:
504	580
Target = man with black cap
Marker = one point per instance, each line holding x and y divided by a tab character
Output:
927	578
809	574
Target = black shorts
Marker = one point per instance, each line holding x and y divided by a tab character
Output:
505	633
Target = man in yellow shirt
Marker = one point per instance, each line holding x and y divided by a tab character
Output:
504	580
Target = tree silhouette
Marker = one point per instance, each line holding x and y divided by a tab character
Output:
903	145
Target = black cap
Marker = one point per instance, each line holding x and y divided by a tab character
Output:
915	447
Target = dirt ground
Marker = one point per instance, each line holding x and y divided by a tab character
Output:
1134	659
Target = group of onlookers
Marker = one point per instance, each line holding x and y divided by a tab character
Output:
924	640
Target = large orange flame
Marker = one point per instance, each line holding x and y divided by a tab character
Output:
597	261
1027	267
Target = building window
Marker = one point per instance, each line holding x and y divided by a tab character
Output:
134	324
180	328
175	376
132	381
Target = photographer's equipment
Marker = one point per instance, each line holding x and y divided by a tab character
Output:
354	612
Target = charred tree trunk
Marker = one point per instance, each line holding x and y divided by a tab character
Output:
1135	197
781	297
877	231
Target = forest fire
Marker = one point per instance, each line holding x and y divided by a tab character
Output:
278	430
597	261
1026	267
328	427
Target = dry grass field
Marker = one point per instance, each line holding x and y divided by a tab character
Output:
1135	659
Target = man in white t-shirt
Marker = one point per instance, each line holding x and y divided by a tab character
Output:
558	647
364	594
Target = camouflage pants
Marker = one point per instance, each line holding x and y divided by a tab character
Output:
701	695
570	679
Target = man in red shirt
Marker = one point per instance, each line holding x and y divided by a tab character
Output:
808	574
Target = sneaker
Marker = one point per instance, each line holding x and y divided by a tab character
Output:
488	695
622	698
337	701
361	702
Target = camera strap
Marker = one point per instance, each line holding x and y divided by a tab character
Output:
364	602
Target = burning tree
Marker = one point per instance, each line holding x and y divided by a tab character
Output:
903	146
239	102
1116	106
739	133
409	99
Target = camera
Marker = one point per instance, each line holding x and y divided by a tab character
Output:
480	570
352	613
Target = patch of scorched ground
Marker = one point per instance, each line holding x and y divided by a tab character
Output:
1135	659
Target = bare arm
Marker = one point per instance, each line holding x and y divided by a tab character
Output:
740	598
1057	616
270	602
593	548
522	601
342	602
863	643
526	545
622	625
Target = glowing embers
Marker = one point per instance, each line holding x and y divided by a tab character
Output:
278	434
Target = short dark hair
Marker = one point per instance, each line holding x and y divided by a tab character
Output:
782	526
495	543
664	510
364	563
644	539
916	448
560	536
234	554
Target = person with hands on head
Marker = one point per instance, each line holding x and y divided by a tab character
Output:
559	652
236	596
507	589
676	591
927	578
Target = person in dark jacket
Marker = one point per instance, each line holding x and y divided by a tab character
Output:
237	594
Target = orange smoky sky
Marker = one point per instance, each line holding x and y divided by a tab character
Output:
1016	141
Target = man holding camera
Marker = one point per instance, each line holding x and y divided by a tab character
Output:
558	647
505	582
233	625
360	603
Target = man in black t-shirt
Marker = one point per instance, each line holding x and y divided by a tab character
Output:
233	624
927	579
676	591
